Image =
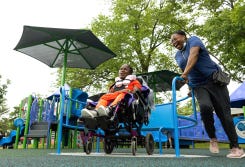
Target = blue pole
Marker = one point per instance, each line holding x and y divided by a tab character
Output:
160	140
175	116
62	101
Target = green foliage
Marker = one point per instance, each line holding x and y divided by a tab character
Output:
138	31
3	91
90	80
225	33
5	123
186	108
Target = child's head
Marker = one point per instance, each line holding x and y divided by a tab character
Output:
125	70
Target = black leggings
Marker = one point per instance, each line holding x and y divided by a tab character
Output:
212	97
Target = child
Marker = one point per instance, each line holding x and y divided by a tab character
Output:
125	83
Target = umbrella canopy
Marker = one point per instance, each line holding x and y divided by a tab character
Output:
56	47
161	80
237	98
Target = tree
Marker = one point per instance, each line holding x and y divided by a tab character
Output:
138	31
4	122
3	91
225	31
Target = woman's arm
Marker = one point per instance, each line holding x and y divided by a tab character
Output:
193	57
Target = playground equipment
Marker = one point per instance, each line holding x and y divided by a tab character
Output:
71	105
40	119
30	111
238	102
165	117
50	122
10	140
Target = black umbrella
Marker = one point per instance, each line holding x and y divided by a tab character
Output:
73	48
161	81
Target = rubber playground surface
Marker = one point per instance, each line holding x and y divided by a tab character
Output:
118	158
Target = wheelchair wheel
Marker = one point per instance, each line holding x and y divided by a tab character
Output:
149	144
108	146
88	146
133	147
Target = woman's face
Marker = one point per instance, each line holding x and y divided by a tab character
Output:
178	41
124	71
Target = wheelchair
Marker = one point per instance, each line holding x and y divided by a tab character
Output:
123	126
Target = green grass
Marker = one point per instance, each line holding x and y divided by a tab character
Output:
206	145
202	145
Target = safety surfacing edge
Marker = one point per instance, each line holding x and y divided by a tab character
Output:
129	155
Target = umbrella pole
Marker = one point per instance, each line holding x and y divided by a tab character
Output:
64	66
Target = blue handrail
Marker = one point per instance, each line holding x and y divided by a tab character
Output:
175	114
65	108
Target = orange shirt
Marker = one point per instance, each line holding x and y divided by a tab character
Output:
133	84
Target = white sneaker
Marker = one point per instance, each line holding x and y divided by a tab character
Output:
236	153
213	147
102	111
86	113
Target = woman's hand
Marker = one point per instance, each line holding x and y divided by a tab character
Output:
185	77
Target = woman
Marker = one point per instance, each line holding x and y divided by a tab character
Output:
198	68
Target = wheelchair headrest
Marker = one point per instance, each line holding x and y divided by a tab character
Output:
140	80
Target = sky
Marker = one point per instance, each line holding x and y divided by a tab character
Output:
29	76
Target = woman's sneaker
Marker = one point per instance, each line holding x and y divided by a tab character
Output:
236	153
213	147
